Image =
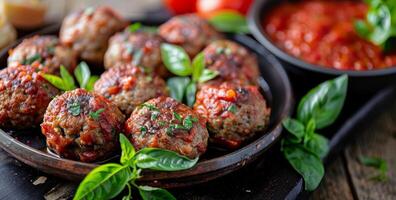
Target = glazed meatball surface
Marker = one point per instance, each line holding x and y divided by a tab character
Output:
165	123
128	86
233	113
47	51
190	31
138	48
88	31
82	125
24	96
233	62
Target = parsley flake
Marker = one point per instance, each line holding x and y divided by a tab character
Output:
75	108
95	115
232	108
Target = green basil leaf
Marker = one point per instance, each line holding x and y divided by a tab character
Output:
380	19
198	66
295	128
163	160
104	182
55	81
191	90
177	87
91	83
176	59
323	103
318	145
134	27
68	79
207	75
152	193
82	74
308	165
127	150
230	21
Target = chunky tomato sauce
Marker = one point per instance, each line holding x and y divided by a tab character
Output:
322	32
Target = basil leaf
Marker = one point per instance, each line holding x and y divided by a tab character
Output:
134	27
323	103
82	74
55	81
163	160
91	83
295	128
318	145
152	193
190	93
308	165
207	75
177	86
230	21
104	182
68	79
127	150
176	59
198	66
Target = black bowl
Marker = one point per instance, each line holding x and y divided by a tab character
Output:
361	82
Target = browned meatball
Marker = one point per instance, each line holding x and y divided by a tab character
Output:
165	123
88	31
190	31
82	125
46	50
233	113
127	87
24	96
234	62
138	48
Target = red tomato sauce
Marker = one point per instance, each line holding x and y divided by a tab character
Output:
322	32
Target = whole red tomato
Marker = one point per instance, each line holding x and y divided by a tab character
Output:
181	6
207	8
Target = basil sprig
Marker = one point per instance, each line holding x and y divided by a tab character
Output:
66	81
229	21
178	62
108	180
379	26
303	147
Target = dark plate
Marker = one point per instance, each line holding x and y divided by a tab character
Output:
362	82
29	146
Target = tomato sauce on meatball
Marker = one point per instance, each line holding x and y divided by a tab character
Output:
138	48
128	86
233	62
233	113
47	51
88	31
24	96
190	31
165	123
82	125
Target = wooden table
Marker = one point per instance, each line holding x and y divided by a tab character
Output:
346	178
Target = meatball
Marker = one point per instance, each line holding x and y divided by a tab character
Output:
138	48
47	51
233	62
189	31
24	96
82	125
128	86
88	31
233	113
165	123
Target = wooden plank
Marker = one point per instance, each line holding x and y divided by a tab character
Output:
379	140
335	184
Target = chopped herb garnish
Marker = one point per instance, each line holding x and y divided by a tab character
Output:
379	164
161	123
154	115
32	59
95	115
74	108
150	107
188	122
177	116
232	108
143	130
134	27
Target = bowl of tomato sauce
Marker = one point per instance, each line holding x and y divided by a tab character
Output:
318	39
